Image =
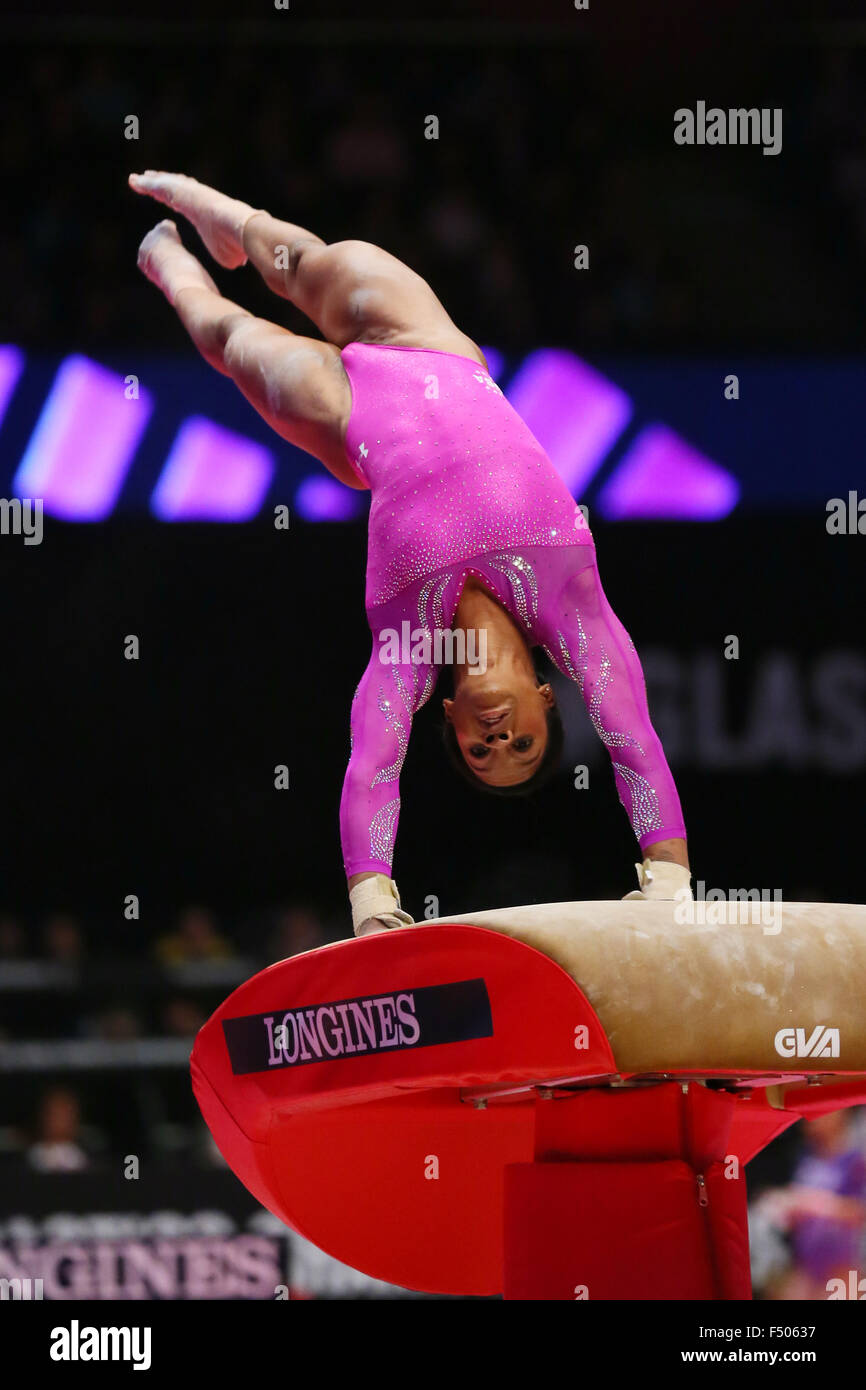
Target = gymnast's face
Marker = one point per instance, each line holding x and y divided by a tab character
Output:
501	728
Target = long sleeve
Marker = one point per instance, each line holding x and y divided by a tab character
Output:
382	709
590	645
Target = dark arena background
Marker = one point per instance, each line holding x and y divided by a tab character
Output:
188	615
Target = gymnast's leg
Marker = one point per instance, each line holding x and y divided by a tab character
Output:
298	385
352	290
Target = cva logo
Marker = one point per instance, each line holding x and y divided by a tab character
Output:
821	1042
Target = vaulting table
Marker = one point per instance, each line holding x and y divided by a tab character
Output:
547	1102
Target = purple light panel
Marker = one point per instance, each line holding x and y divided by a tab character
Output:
87	434
323	499
83	443
495	362
11	367
575	413
212	474
664	478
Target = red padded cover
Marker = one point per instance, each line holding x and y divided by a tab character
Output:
370	1153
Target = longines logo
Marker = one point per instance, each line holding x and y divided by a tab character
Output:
425	1017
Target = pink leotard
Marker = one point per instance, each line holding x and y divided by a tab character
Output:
460	486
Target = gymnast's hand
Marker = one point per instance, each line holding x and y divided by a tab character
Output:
662	881
376	906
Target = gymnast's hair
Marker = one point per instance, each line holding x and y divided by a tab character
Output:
542	774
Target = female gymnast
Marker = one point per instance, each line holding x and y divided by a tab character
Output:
471	528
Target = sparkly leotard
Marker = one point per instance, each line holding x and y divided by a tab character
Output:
460	486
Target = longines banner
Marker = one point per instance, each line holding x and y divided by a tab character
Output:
177	1235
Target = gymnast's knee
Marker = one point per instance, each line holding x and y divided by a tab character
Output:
345	262
300	254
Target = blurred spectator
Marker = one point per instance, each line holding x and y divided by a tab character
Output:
13	942
455	223
296	930
57	1148
368	147
181	1018
196	938
118	1024
512	181
504	290
823	1209
62	940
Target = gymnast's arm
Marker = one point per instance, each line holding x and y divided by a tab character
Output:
382	710
591	646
